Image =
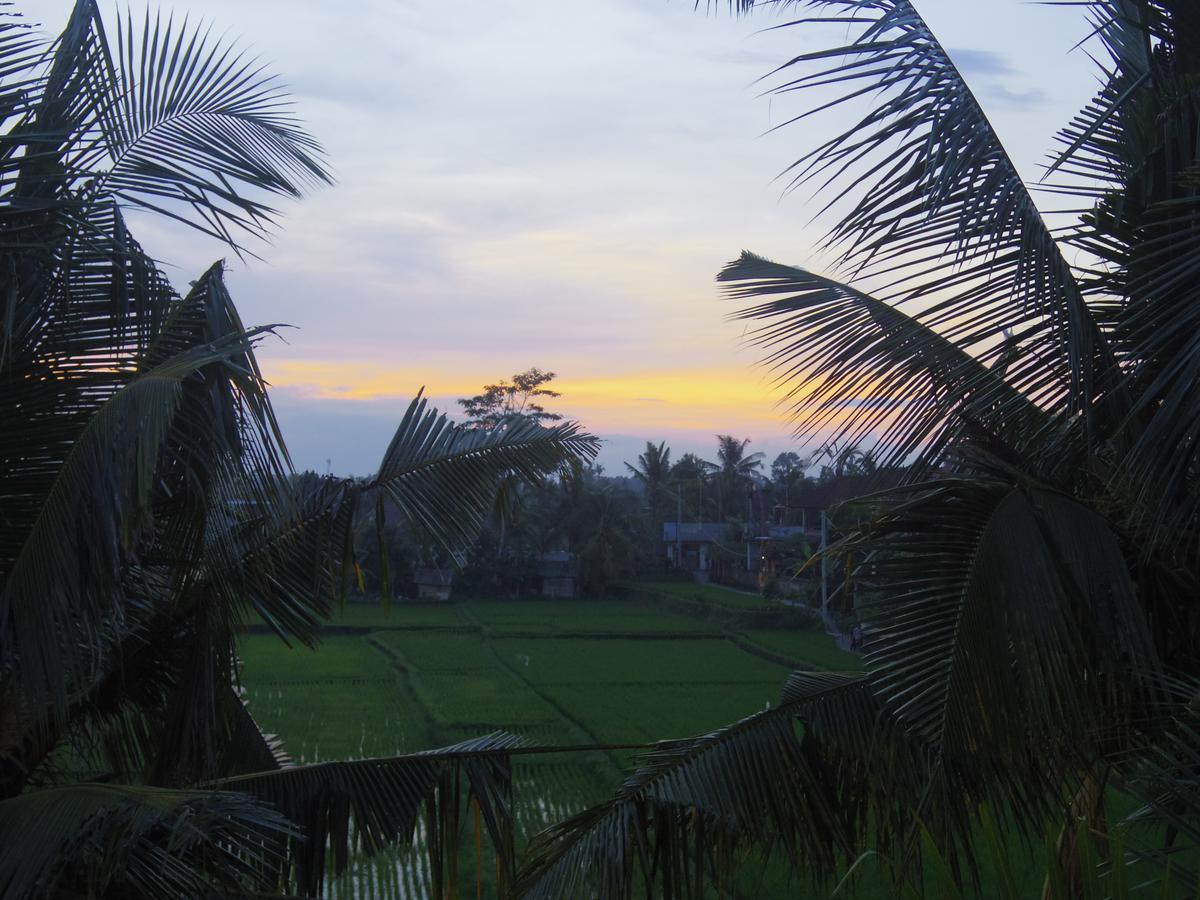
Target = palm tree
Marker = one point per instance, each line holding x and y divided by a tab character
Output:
149	504
1033	650
653	472
653	469
735	471
847	460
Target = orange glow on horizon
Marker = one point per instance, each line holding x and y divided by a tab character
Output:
681	399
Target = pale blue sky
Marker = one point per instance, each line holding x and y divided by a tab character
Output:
553	184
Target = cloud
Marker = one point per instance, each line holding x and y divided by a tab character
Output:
980	62
991	73
1019	99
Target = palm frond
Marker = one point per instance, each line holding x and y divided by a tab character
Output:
981	575
22	50
189	117
166	117
366	805
932	212
58	593
1125	29
849	357
1132	152
111	840
444	477
693	807
1161	773
47	148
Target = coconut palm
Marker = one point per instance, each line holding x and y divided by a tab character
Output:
149	506
734	472
653	469
732	459
1033	648
653	473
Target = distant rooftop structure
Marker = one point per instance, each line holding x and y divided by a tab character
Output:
558	564
560	572
783	532
433	584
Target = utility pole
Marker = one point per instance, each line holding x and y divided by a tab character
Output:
749	529
678	526
824	583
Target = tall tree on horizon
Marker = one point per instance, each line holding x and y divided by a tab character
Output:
692	475
788	474
653	473
734	472
508	400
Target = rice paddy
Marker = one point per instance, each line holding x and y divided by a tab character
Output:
558	673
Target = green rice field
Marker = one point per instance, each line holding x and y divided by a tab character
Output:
559	673
710	594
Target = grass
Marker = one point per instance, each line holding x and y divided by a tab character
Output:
551	617
401	689
343	701
646	661
485	700
437	651
403	614
266	658
327	721
806	648
370	614
623	714
464	690
712	594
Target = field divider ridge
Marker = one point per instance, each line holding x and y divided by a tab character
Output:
597	744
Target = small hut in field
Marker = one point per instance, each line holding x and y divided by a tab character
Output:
433	584
560	574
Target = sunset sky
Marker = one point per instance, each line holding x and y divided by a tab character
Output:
554	185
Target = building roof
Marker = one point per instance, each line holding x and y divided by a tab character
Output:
558	564
782	532
693	532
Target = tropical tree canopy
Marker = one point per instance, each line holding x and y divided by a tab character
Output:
1032	651
653	473
521	397
149	504
653	469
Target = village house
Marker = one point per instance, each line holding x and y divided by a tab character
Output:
560	574
690	546
433	584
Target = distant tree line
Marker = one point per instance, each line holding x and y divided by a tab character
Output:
611	524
